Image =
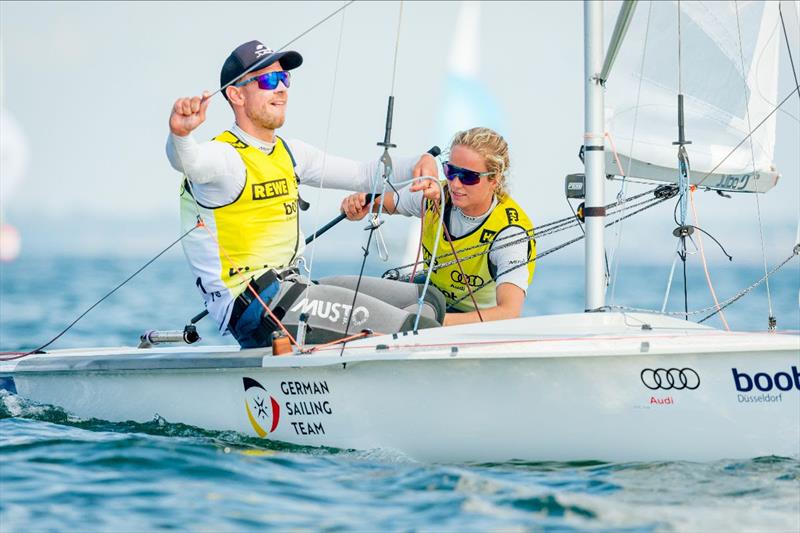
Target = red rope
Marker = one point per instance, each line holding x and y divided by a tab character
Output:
458	262
239	271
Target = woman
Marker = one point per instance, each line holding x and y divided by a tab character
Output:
478	212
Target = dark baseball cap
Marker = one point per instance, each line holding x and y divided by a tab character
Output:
254	54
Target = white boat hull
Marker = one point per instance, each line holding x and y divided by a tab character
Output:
528	397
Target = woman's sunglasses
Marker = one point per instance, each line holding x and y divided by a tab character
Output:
269	81
464	175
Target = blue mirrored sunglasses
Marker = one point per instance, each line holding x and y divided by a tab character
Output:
269	81
464	175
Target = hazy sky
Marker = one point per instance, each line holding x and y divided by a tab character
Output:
92	84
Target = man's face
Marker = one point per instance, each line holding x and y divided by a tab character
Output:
266	109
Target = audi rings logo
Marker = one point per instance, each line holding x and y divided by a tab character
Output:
472	280
670	378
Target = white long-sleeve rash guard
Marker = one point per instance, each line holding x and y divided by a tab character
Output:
217	172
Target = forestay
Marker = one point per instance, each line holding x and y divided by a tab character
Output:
722	81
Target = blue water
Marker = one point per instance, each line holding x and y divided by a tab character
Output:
58	472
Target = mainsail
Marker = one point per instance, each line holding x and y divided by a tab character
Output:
725	62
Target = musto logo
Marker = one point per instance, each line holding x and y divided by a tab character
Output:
262	409
332	311
765	383
670	378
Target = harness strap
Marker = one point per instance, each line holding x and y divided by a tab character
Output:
290	296
262	282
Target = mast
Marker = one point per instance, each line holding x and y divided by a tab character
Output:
594	158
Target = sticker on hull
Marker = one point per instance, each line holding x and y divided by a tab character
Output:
263	411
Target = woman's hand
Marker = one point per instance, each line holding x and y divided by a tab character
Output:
427	170
429	187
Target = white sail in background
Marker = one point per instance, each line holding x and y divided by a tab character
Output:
466	101
14	155
721	81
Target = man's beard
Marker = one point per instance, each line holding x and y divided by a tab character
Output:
267	121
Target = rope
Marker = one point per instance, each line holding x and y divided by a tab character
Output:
555	248
397	46
421	233
752	131
325	151
621	196
789	50
388	171
112	291
544	230
256	66
703	260
421	300
359	335
670	277
771	319
717	307
680	62
460	268
240	272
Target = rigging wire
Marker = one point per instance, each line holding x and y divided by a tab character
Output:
703	259
549	228
621	196
388	172
266	58
683	174
789	51
396	46
200	222
321	189
723	305
771	321
680	78
670	278
112	291
652	203
758	65
746	137
458	262
751	287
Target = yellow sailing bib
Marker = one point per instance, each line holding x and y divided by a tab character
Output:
256	231
477	270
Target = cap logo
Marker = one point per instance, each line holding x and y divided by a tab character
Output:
262	50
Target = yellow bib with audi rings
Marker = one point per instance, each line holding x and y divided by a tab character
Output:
477	270
241	240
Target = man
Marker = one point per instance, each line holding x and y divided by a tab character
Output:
242	188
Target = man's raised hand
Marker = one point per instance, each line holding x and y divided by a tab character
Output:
188	113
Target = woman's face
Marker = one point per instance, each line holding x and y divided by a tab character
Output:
473	200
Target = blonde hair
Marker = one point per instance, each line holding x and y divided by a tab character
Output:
494	150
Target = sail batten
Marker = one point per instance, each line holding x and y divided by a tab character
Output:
729	73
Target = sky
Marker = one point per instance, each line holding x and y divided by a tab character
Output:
91	85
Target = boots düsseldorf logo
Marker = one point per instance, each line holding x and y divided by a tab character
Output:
262	409
670	378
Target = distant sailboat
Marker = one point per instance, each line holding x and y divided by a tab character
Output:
13	164
466	101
